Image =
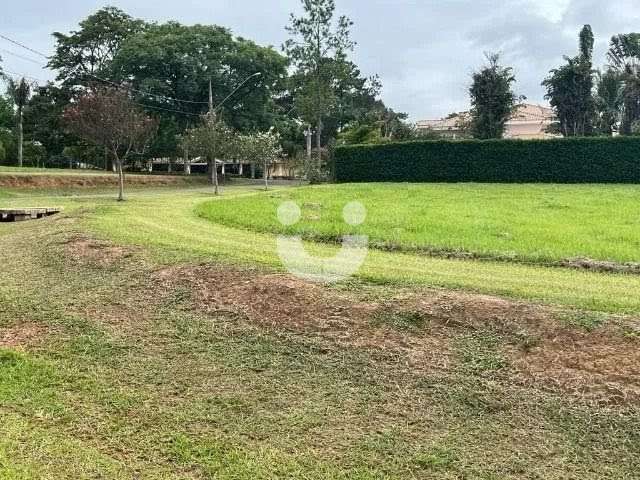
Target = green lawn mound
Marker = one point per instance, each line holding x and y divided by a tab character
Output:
587	226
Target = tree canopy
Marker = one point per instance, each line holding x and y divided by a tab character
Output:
570	89
88	52
492	99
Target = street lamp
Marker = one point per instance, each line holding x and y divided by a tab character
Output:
211	108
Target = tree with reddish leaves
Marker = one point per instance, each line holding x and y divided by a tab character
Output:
109	118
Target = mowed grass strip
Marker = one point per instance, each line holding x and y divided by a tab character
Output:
165	223
532	223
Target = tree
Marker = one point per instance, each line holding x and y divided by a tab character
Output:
6	112
624	59
214	140
570	89
318	49
261	147
43	119
174	61
110	119
609	101
19	91
35	153
492	99
88	52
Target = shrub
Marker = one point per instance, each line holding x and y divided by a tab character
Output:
572	160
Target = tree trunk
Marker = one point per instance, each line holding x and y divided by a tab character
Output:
216	188
309	143
120	180
187	162
20	138
319	143
213	174
266	175
170	167
106	159
253	171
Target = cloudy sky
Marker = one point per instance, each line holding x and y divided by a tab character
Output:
423	50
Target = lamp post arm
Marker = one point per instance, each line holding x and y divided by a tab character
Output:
257	74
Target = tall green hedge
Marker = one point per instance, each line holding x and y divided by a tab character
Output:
574	160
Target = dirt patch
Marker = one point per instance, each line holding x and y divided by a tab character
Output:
104	254
423	328
91	181
600	367
281	301
21	336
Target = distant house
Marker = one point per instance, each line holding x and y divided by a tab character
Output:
528	122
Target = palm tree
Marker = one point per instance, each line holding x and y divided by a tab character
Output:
609	101
19	93
624	58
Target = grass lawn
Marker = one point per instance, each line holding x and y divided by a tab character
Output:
139	340
165	222
534	223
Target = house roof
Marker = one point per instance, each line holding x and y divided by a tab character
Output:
525	113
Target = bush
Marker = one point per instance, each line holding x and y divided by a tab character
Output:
574	160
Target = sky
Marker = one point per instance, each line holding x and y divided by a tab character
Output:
424	51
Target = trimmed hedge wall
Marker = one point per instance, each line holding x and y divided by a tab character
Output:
571	160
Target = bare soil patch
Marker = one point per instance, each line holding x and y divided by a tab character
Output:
600	366
104	254
89	181
21	336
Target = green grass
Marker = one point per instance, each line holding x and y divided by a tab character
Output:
165	222
534	223
129	380
167	225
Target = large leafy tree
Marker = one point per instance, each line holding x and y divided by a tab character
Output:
169	68
85	53
492	99
570	89
43	119
318	49
355	98
108	118
624	59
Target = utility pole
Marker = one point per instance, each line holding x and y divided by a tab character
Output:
210	96
309	134
213	164
213	168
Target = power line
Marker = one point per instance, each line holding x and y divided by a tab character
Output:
20	56
148	94
163	97
15	42
167	109
24	75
